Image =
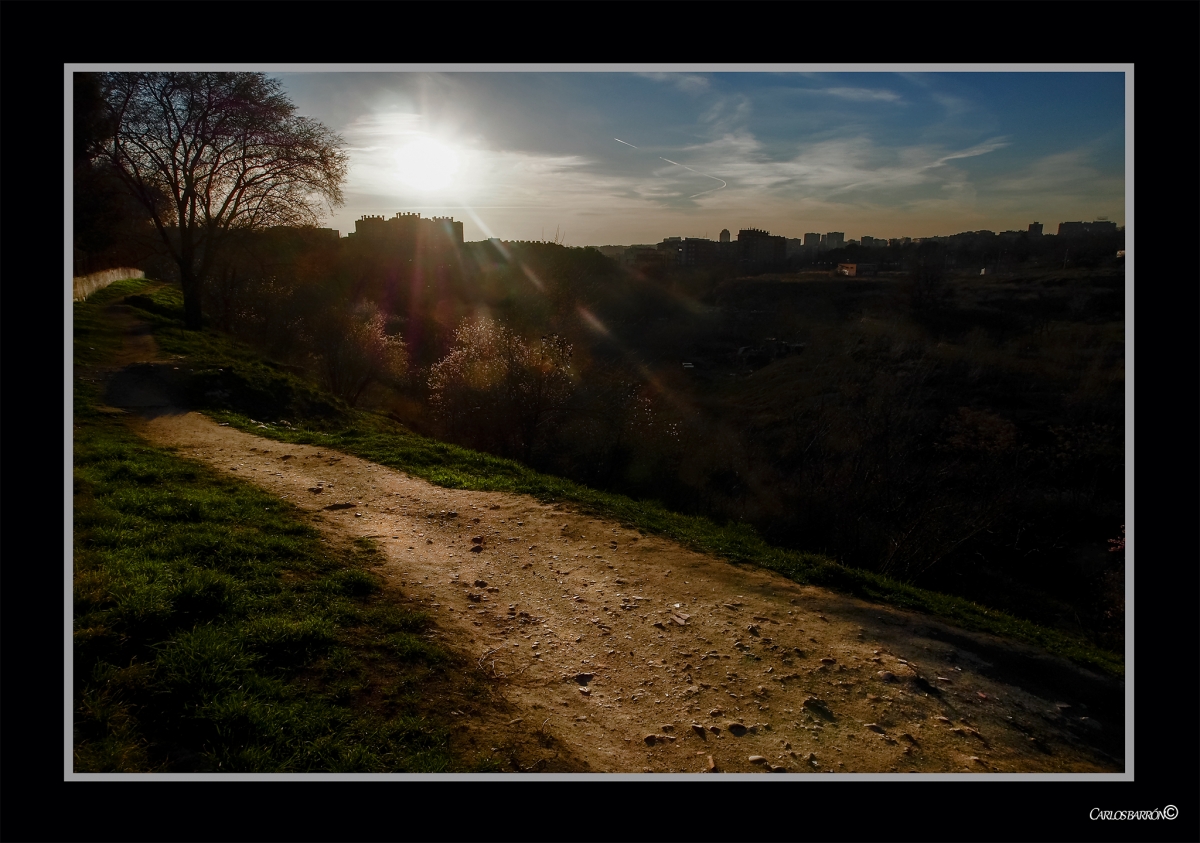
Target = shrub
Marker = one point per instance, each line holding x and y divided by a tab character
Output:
354	350
498	392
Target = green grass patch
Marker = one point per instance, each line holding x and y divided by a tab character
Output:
219	372
381	440
212	629
97	338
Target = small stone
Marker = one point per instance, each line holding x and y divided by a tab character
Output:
481	583
669	727
712	765
908	737
778	768
942	719
828	660
427	541
787	744
698	729
875	727
477	540
359	515
817	705
737	729
716	712
585	691
659	625
752	629
757	759
650	739
584	678
981	695
715	729
476	548
887	676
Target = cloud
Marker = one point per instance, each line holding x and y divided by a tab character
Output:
827	168
978	149
862	94
1070	172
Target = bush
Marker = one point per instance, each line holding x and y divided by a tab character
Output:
497	392
354	350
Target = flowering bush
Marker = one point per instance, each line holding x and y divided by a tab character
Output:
354	350
496	391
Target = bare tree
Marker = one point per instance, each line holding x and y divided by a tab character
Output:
227	151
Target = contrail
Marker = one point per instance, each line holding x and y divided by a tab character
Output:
618	140
697	172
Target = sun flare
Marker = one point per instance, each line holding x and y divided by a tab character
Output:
426	164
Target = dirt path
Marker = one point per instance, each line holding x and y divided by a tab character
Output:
639	655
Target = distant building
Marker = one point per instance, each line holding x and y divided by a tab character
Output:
757	248
1082	229
795	246
410	230
812	241
871	242
724	235
899	241
690	251
1035	229
835	239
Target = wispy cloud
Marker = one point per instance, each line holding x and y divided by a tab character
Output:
862	94
1070	172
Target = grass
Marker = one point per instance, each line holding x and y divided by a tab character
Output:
381	440
214	630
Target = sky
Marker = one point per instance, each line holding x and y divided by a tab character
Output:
597	158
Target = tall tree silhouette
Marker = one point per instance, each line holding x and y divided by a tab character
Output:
206	153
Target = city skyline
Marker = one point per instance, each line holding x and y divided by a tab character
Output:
624	157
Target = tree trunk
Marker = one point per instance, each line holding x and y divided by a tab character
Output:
190	281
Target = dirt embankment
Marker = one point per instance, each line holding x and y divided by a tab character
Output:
636	654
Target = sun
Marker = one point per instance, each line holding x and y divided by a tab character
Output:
426	164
